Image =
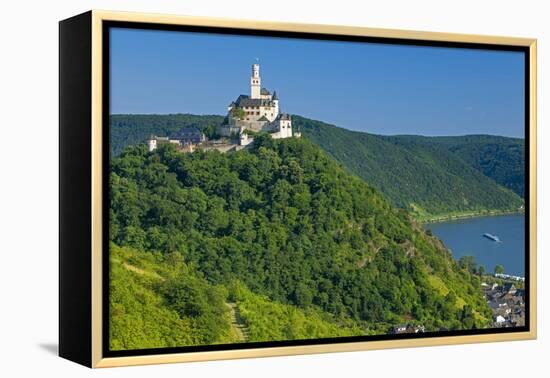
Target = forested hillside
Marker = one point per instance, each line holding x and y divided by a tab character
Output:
500	158
426	178
429	176
282	234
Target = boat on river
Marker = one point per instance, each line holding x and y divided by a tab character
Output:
492	237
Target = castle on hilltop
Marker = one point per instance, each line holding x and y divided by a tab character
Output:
258	112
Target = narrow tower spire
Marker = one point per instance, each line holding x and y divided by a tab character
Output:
255	81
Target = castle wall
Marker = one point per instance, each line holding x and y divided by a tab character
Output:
275	108
250	125
235	126
254	91
227	130
285	130
268	112
254	113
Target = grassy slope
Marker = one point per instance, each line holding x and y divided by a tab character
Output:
141	317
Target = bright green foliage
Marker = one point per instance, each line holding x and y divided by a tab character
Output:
268	321
422	174
158	301
296	229
138	317
238	113
194	298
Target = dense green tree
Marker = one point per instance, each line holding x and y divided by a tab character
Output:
303	295
238	113
468	262
481	270
294	227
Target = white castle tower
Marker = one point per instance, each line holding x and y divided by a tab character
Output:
259	112
255	82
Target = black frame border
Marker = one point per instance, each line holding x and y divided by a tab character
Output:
75	201
105	74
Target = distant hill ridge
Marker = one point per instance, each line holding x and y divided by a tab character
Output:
429	176
500	158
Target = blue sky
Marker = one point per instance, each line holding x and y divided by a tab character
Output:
381	89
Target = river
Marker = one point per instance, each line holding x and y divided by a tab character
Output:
465	237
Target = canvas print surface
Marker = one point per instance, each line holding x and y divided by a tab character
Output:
268	189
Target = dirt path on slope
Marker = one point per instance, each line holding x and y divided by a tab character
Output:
241	330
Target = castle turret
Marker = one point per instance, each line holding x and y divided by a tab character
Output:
275	100
255	82
152	143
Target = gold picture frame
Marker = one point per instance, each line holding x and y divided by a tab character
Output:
82	242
